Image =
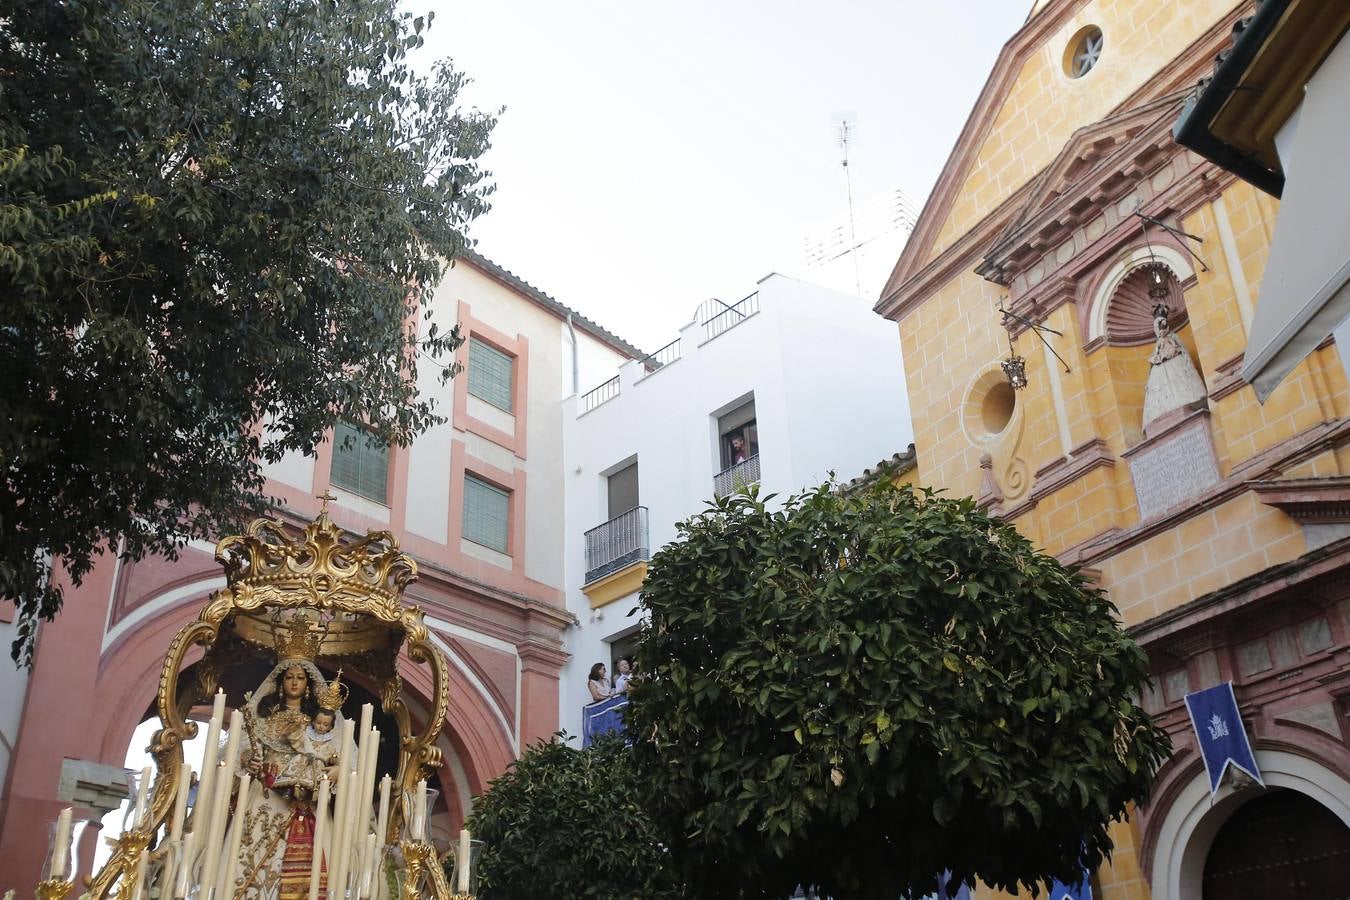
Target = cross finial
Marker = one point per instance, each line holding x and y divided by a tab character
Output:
323	501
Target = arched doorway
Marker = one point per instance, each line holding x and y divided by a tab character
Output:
1280	844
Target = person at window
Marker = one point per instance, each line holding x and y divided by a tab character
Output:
623	676
599	684
738	454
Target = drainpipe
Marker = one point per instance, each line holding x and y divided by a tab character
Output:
576	374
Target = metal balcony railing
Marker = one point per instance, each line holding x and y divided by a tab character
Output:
717	317
593	398
663	357
733	478
618	543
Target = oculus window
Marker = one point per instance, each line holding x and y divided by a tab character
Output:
490	374
486	514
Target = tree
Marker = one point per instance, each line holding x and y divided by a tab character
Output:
217	218
861	690
565	823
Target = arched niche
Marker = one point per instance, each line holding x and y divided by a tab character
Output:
1123	286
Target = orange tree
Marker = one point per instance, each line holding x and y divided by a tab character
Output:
858	691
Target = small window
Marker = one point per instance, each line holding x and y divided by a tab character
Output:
739	435
486	513
1084	51
360	463
490	374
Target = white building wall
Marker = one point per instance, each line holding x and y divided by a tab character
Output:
13	693
829	395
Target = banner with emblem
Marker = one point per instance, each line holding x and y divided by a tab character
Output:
1080	891
1219	732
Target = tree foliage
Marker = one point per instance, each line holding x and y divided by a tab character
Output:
862	690
213	214
565	824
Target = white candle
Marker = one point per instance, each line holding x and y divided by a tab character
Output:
139	883
232	742
382	821
219	813
421	823
225	878
180	799
184	874
372	748
340	803
367	865
61	845
462	862
201	811
142	792
320	836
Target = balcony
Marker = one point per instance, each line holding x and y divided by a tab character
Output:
602	717
603	394
733	478
717	317
619	543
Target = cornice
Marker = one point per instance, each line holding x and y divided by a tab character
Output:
1310	500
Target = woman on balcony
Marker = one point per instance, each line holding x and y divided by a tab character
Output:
598	683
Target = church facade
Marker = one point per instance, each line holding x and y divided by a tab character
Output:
1073	309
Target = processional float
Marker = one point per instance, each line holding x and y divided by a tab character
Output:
286	808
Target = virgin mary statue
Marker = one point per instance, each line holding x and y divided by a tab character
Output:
289	744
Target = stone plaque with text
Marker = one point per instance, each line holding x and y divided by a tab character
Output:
1173	466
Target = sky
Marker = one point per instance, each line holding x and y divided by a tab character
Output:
654	154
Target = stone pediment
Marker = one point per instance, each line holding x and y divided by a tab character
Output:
1101	164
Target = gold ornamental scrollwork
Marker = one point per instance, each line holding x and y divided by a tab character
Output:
349	592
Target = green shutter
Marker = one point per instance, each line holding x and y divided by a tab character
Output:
362	466
490	374
486	512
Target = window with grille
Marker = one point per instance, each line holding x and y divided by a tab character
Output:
486	513
360	463
490	373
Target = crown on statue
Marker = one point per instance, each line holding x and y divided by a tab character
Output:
274	566
299	639
333	695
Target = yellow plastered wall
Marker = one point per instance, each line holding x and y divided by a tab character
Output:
1045	106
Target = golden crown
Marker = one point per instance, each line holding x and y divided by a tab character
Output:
332	696
299	639
271	565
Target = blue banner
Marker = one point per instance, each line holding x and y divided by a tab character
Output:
1219	732
944	880
1081	891
602	718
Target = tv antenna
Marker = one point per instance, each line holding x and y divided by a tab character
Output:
846	128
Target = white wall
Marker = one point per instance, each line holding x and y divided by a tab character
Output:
826	376
13	694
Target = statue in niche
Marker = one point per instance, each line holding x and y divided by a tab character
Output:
1173	382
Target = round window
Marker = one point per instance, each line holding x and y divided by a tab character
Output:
1083	52
996	409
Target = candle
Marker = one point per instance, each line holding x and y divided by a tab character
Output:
462	862
176	827
184	874
61	845
420	813
382	821
340	803
225	878
201	812
216	831
372	748
367	865
320	835
142	792
139	883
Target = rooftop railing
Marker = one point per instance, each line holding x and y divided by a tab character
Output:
663	357
593	398
735	477
617	544
717	316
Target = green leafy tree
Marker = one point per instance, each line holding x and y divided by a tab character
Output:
861	690
214	215
564	824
